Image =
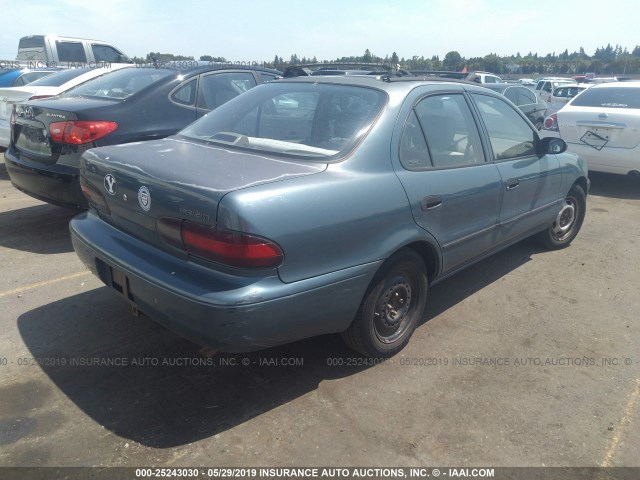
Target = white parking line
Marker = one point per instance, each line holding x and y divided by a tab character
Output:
43	284
629	412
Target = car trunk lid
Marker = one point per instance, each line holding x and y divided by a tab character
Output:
599	127
31	133
138	184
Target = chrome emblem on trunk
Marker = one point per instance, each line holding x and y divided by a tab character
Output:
144	198
110	184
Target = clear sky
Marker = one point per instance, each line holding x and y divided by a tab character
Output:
252	30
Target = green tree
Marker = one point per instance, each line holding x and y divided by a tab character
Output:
453	61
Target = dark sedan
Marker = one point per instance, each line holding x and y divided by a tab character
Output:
322	204
136	104
527	101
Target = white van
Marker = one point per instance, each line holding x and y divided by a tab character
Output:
52	50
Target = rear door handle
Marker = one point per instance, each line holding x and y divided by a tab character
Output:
512	183
430	202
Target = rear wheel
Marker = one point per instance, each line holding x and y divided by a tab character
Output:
568	221
392	307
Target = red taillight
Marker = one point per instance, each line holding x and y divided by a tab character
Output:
79	131
551	122
38	97
232	248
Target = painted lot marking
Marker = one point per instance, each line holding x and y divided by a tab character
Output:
43	284
629	412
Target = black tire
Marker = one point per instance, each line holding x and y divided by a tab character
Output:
568	222
392	307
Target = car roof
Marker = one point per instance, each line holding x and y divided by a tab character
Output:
388	83
633	84
193	66
501	87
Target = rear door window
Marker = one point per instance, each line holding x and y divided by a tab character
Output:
218	88
71	52
525	97
451	134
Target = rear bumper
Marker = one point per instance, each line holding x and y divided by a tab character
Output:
56	184
232	313
609	160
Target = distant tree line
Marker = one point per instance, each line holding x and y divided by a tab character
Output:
605	60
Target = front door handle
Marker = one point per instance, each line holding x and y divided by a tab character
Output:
512	183
430	202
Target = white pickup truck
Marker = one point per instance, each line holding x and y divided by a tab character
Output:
52	50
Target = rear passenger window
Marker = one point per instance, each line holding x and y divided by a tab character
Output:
414	154
218	88
71	52
451	133
511	94
510	135
266	77
185	94
525	97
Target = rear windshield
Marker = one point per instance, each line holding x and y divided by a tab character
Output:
120	84
299	120
59	78
36	41
617	97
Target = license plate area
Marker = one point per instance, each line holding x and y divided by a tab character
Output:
594	140
120	283
32	140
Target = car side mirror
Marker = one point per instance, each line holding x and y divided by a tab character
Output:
551	146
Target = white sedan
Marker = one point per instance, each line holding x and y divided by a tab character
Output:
602	125
46	87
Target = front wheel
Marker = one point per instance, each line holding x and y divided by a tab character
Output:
392	307
568	221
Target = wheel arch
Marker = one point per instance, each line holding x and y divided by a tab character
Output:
582	183
430	256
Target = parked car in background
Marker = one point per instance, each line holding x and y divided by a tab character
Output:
259	225
483	77
48	86
473	76
546	85
56	50
17	76
527	101
561	95
527	82
48	136
344	68
601	125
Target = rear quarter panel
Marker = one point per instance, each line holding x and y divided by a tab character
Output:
325	222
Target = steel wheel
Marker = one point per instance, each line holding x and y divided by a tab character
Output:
568	220
392	307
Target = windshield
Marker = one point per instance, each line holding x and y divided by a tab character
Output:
615	97
302	120
119	84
